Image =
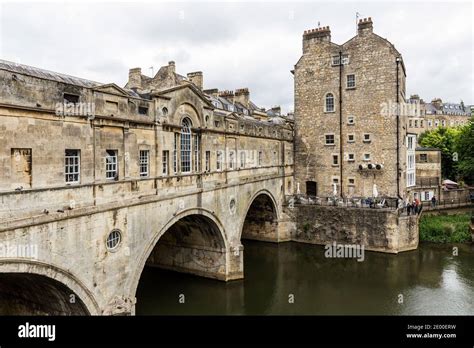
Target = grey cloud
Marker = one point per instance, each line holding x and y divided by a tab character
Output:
236	45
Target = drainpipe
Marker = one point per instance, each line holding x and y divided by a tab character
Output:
398	129
340	123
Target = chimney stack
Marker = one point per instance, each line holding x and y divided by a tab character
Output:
226	94
196	78
242	96
365	26
171	66
437	103
316	35
135	78
213	91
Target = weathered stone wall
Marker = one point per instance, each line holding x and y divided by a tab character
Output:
377	229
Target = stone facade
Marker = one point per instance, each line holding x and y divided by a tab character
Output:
428	174
429	116
102	180
341	129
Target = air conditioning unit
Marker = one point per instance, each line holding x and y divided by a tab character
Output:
371	166
379	166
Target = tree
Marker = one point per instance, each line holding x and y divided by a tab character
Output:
465	150
444	139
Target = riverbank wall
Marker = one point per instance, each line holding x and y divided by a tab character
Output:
383	230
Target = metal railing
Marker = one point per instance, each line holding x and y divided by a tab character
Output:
353	202
449	203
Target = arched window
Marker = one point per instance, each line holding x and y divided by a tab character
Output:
186	145
329	103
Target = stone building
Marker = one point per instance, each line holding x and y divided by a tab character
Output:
424	116
345	133
428	174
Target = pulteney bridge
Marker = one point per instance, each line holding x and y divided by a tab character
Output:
167	180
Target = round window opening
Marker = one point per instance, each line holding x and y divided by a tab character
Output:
113	240
164	111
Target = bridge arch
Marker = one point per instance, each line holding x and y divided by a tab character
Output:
260	220
37	288
198	231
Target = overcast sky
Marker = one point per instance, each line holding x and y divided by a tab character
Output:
238	44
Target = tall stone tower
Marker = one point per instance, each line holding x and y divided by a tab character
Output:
348	131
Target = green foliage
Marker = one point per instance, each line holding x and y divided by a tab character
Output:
465	150
445	139
445	228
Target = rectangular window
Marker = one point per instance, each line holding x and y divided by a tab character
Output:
351	181
350	157
416	123
231	159
260	158
165	162
350	119
436	123
410	179
70	98
329	139
367	138
72	166
242	159
175	153
411	142
196	143
423	157
366	156
144	163
410	123
351	81
219	160
185	152
111	165
421	123
143	110
336	60
350	138
335	160
208	161
430	123
411	162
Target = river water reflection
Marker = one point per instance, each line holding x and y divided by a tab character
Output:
431	280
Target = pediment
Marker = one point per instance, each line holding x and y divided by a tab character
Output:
111	88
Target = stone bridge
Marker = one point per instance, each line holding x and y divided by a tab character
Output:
160	173
59	263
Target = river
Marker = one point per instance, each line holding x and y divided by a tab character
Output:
427	281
